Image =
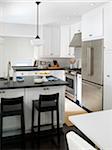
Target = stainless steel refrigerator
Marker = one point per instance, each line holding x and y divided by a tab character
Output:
92	74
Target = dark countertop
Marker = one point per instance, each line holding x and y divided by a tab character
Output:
29	83
31	68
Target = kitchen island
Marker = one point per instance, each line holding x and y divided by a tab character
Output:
31	91
34	71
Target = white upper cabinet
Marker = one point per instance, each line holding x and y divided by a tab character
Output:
57	40
51	35
92	24
65	41
108	27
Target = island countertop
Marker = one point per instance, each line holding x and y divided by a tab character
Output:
29	82
31	68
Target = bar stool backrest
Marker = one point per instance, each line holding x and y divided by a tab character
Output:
8	102
49	98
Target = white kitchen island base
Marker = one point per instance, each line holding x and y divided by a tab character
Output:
11	125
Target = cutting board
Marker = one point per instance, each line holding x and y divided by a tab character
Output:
55	67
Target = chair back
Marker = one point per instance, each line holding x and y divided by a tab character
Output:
53	98
8	102
75	142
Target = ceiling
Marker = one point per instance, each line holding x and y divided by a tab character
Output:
60	12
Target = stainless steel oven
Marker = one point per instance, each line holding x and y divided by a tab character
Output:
71	87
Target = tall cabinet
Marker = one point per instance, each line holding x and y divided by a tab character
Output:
108	57
107	80
51	37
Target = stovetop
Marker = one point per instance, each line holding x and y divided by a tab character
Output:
73	71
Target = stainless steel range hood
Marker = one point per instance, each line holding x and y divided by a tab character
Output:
76	41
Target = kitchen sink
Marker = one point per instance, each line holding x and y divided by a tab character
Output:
4	79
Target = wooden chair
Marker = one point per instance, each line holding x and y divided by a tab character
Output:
11	107
44	104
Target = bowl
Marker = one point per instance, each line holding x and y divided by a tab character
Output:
38	80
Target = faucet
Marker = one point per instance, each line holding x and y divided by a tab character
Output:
8	71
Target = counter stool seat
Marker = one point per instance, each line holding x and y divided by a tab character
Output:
11	107
44	104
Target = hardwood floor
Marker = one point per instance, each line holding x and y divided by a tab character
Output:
47	142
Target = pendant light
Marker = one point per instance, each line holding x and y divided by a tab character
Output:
37	41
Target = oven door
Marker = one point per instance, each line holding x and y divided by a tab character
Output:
70	88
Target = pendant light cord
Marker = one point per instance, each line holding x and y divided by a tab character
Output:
37	37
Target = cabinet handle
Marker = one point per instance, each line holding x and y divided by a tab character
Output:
108	76
90	35
45	88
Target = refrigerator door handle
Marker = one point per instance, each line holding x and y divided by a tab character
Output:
89	61
91	84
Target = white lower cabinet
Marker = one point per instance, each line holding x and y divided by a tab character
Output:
33	94
11	123
79	88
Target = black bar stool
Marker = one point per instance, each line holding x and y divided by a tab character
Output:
44	104
11	107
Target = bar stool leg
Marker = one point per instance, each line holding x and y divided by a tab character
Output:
23	131
58	134
22	124
39	113
1	128
32	117
52	120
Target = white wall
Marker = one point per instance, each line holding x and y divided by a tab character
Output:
1	56
17	30
16	50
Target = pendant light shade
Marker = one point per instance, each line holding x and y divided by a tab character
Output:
37	41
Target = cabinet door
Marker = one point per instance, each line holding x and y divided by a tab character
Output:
47	41
65	40
55	41
108	27
51	35
107	80
11	123
92	24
